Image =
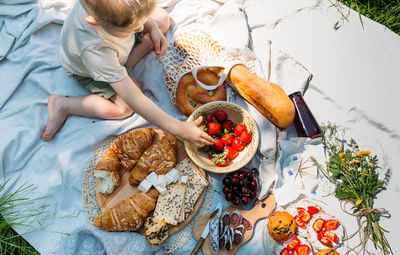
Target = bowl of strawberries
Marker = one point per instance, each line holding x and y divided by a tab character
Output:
235	133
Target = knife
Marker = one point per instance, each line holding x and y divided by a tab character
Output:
206	230
214	229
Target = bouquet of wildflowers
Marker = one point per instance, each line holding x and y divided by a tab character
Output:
355	174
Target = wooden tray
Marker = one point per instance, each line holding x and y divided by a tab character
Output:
125	190
262	209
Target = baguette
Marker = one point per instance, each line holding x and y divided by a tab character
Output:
267	97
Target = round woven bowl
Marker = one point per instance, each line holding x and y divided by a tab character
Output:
237	115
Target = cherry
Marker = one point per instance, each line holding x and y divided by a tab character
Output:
235	180
245	200
255	171
226	181
245	190
225	190
254	185
229	196
236	200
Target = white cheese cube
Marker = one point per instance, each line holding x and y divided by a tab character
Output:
183	179
161	189
161	180
174	173
169	179
144	186
152	177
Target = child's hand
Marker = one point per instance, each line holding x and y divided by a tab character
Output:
159	41
192	133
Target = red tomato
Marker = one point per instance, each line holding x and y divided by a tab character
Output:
227	124
302	249
245	137
213	128
293	244
299	222
318	224
312	210
331	236
218	145
220	115
300	211
331	224
237	145
284	252
306	217
239	129
227	138
231	153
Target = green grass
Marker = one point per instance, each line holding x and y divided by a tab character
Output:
385	12
12	214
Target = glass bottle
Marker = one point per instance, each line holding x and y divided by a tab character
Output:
304	121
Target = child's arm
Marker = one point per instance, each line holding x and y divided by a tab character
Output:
159	41
143	106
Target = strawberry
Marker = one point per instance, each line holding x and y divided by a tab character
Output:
299	222
231	153
293	244
245	137
318	224
218	145
300	211
220	159
306	217
220	115
227	124
209	117
213	128
332	236
285	252
312	210
302	249
324	240
227	138
331	224
237	145
239	129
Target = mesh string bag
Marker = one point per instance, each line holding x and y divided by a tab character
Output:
191	51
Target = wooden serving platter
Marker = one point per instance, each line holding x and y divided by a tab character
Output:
262	209
125	190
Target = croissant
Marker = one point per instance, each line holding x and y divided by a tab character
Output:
130	146
129	214
159	157
107	172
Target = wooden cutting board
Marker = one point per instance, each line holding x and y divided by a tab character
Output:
125	190
262	209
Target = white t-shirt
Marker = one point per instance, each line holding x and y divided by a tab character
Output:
89	51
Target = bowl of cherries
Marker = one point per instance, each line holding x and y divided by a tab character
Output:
235	134
241	187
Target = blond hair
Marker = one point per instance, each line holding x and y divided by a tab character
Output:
121	13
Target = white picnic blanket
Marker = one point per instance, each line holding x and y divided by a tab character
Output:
354	86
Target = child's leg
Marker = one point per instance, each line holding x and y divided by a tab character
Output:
161	17
92	106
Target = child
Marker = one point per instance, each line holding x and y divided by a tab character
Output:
97	40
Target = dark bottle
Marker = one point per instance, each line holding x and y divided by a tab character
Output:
306	125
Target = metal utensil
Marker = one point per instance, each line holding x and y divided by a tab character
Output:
206	230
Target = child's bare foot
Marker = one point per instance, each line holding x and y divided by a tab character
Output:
57	116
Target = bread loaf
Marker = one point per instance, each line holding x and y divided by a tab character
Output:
266	97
